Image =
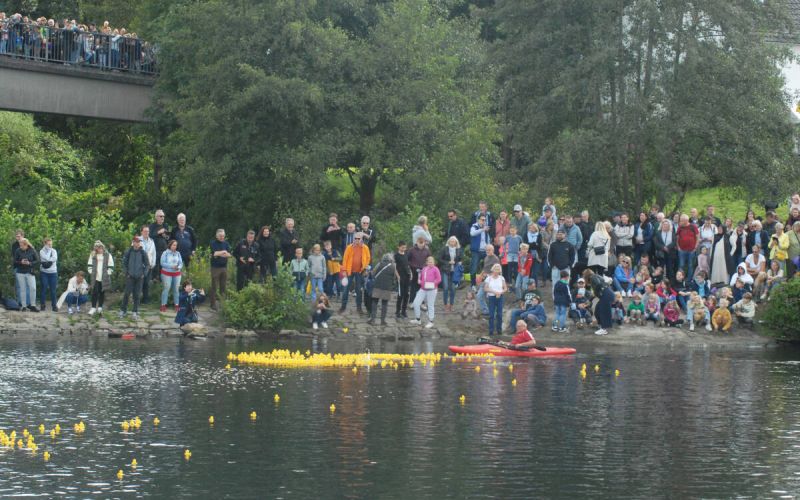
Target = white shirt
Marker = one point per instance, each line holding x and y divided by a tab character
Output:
494	286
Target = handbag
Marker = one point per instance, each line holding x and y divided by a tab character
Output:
600	250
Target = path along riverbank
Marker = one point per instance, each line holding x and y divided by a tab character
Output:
448	328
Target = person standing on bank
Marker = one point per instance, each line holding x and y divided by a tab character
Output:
289	240
171	267
149	247
404	275
187	242
495	287
246	253
383	287
449	257
25	260
220	253
332	232
268	253
49	274
561	255
159	231
101	267
356	258
136	267
429	279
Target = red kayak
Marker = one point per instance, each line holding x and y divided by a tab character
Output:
502	351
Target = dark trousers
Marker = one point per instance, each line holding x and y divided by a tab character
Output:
98	294
244	275
402	298
219	281
414	285
270	267
132	286
146	288
49	283
374	309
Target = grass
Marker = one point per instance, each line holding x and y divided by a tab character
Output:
728	203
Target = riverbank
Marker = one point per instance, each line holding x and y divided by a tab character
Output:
448	328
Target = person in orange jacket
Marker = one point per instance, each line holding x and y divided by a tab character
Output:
356	259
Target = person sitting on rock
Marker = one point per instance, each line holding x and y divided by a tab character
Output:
322	312
745	309
190	298
721	319
470	307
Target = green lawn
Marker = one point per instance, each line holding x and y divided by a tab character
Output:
727	203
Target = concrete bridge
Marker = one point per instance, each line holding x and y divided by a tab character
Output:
45	87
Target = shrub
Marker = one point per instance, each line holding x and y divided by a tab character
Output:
782	314
200	270
272	306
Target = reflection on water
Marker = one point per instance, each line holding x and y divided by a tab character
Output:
675	423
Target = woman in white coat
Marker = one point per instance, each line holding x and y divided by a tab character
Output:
598	248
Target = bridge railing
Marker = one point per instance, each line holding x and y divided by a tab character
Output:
108	52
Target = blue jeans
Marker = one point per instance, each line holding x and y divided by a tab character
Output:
27	288
473	265
561	316
495	313
623	286
555	275
449	288
74	299
354	282
170	283
481	296
521	285
316	284
49	283
300	283
686	262
516	314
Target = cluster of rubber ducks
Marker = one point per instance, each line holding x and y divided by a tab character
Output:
583	371
28	442
283	358
134	424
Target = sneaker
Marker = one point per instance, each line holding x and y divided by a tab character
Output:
69	310
99	310
324	325
121	314
429	325
630	294
33	308
415	322
691	327
601	331
708	327
554	328
563	330
163	308
314	326
54	308
92	311
78	308
763	296
341	310
135	316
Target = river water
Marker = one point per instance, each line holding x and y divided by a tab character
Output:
674	423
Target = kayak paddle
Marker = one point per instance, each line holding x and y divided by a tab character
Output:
484	340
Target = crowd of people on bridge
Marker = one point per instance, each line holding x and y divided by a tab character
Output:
69	42
688	268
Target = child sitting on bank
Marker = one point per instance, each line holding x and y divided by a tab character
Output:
665	292
657	276
745	309
187	305
697	312
711	304
322	312
580	312
642	280
652	309
672	314
618	309
470	307
636	309
721	319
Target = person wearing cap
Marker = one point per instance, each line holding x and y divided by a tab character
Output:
136	266
520	220
561	255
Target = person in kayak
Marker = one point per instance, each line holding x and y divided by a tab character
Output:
522	337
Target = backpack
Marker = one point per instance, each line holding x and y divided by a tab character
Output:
10	304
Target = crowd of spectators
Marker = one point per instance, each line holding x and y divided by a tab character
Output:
66	41
692	269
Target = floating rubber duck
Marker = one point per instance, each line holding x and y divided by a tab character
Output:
462	399
477	368
616	373
137	422
120	474
53	433
125	425
46	456
19	444
57	428
253	415
134	463
514	382
494	371
41	428
228	366
583	367
355	369
345	330
333	408
277	398
187	454
596	368
211	420
156	421
511	368
25	432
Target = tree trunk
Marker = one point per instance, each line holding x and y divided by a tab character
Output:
368	182
156	171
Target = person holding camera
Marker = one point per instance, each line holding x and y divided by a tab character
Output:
49	274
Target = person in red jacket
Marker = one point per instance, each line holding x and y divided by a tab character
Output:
522	337
687	238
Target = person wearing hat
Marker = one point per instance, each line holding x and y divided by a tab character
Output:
520	220
561	255
136	266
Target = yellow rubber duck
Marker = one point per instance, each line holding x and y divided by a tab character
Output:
514	382
137	422
277	398
25	432
616	373
134	463
333	408
57	428
228	366
583	367
120	474
187	454
46	456
156	421
53	433
41	428
211	420
253	415
511	368
345	330
596	368
20	445
478	368
494	371
125	425
462	399
355	370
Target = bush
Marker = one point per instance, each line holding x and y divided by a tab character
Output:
782	312
200	270
272	306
